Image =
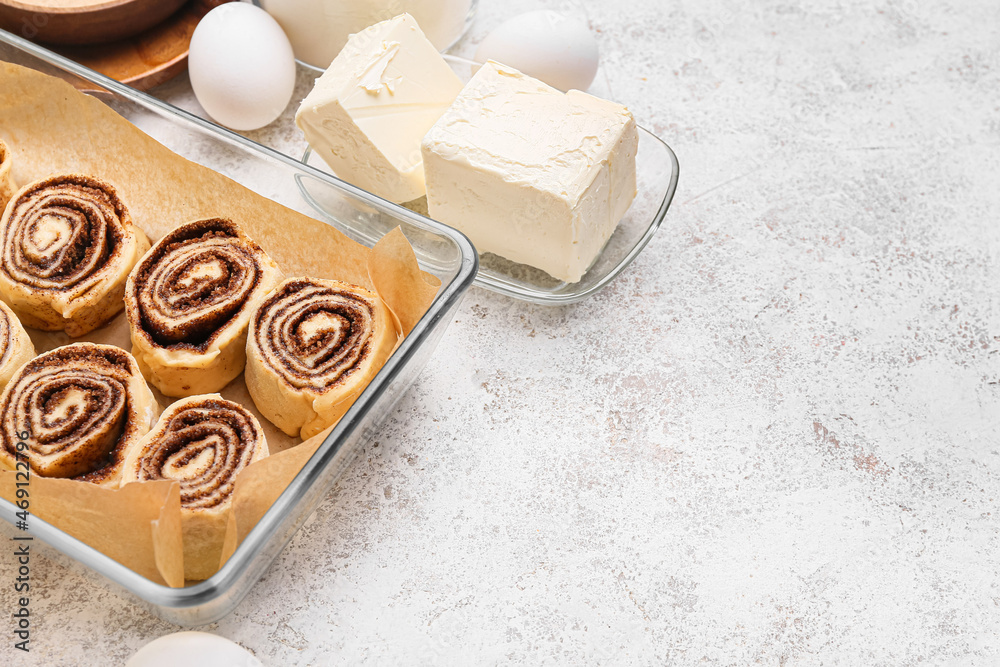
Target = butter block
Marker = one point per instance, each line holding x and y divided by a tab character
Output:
530	173
368	112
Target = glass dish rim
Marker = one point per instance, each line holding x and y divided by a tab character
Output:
487	282
228	576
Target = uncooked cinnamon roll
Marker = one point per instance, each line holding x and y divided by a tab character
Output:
78	408
188	303
7	187
313	347
68	245
16	348
203	442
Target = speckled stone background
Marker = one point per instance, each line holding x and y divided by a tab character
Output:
773	440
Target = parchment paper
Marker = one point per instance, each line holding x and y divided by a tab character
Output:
131	524
51	128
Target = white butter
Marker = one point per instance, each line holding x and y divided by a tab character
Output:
529	173
369	111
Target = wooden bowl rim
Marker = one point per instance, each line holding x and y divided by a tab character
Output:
96	6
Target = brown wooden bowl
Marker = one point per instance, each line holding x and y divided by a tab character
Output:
151	57
82	21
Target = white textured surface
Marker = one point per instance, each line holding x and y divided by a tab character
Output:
773	440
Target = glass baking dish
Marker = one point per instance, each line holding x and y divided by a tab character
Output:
657	171
441	251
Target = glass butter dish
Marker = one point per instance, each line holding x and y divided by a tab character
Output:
440	251
657	171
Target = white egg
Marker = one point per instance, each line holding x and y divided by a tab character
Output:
547	45
193	649
241	66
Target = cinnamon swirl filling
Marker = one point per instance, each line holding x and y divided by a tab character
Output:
61	233
315	336
313	347
81	407
188	303
68	245
194	281
203	443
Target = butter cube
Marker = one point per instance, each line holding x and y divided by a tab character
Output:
368	112
530	173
